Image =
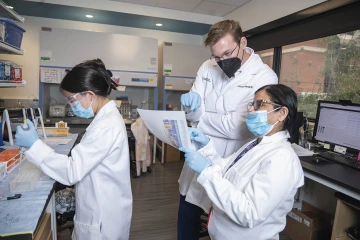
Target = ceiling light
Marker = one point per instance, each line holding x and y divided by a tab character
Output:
89	16
10	7
159	24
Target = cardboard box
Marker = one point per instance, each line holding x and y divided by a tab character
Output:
309	223
171	154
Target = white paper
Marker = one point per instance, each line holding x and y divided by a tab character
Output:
168	126
45	55
51	75
121	88
300	151
57	141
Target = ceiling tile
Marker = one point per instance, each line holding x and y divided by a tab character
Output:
232	2
214	9
183	5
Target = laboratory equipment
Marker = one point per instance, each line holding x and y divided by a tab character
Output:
6	120
13	33
120	53
2	171
25	127
16	196
25	181
178	65
11	157
57	110
36	117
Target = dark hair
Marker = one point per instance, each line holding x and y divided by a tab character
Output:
284	96
222	28
90	75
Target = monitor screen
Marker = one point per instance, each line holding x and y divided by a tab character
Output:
338	124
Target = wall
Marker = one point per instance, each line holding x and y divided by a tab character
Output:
259	12
30	61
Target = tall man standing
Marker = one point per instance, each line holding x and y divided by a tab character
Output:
218	100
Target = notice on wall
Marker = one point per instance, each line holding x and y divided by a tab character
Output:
51	75
46	55
153	61
167	69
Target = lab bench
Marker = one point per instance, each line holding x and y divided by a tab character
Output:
79	125
33	215
346	182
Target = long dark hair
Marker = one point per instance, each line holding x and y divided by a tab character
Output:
90	75
284	96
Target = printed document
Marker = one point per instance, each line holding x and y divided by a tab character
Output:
168	126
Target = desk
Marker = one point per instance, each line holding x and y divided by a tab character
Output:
20	218
338	177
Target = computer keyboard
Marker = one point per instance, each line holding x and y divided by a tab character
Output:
342	159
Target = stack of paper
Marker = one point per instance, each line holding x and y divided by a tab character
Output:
300	151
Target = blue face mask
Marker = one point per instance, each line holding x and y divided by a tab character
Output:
257	122
82	112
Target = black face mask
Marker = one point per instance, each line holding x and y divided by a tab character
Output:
230	66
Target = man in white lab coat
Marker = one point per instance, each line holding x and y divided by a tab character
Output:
217	104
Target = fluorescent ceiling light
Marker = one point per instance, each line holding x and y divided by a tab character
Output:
159	24
89	16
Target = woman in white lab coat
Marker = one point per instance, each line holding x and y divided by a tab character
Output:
99	164
253	189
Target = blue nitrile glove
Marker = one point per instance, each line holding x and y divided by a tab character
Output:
26	138
195	160
198	137
191	100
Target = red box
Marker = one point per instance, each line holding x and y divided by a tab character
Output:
16	74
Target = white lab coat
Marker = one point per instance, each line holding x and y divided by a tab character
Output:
99	168
252	198
142	145
223	112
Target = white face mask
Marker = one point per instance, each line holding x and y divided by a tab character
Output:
82	112
257	122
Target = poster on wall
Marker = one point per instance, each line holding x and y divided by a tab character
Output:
52	75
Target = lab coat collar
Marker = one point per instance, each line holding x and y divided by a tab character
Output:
108	107
275	137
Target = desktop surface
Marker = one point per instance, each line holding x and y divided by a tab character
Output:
342	175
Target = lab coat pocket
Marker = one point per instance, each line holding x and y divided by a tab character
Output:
210	101
235	97
84	231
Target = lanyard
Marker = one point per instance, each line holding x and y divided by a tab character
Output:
243	152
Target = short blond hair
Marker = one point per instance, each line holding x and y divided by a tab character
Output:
222	28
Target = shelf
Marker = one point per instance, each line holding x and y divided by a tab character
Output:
7	49
6	12
12	85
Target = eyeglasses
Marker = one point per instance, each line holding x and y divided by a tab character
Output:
76	97
225	55
259	103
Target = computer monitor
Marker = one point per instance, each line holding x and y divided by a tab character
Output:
338	123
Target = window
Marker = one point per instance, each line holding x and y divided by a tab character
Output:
267	56
323	69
